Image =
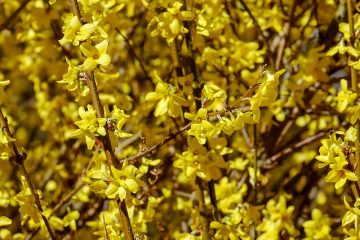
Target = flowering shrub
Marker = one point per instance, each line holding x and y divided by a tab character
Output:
179	119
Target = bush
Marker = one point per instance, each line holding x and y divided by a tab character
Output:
171	119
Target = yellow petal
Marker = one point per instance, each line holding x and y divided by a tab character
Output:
89	64
87	29
101	131
4	83
186	15
175	26
5	221
102	47
104	59
161	107
90	141
132	185
152	96
86	49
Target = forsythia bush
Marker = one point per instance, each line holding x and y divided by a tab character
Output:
179	119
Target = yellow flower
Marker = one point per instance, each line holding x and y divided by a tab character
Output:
95	55
168	100
90	125
169	24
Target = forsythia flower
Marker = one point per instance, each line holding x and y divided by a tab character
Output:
276	217
214	96
75	33
169	100
90	125
118	184
95	55
318	227
72	81
70	219
266	94
117	119
200	162
201	128
331	153
169	24
345	97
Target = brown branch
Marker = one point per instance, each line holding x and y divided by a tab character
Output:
232	24
91	83
76	10
8	21
285	39
68	197
109	152
124	216
132	52
197	93
354	83
273	160
202	208
260	31
19	158
286	128
152	149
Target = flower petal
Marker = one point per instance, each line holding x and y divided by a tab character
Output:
102	47
89	64
104	59
5	221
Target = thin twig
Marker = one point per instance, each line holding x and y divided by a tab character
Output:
232	22
132	51
286	38
202	207
124	216
9	20
354	83
273	160
109	152
260	31
19	158
153	149
61	203
286	128
255	163
91	83
68	197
